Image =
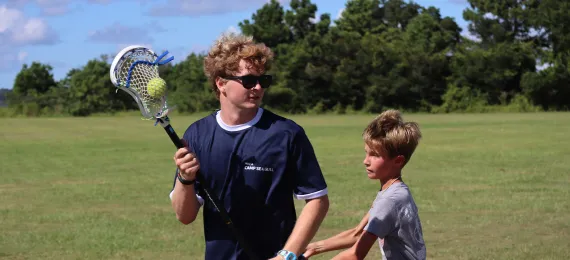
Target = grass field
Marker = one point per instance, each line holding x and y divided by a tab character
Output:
488	186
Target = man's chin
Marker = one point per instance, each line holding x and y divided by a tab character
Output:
252	104
249	105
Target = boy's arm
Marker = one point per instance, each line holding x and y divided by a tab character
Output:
360	249
307	225
382	221
343	240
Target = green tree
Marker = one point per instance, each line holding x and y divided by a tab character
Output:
300	69
267	25
550	88
37	77
424	53
91	91
362	77
188	85
504	52
361	17
398	13
31	83
300	18
496	72
4	92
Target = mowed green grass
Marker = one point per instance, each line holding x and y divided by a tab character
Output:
488	186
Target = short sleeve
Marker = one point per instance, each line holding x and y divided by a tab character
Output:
309	180
382	218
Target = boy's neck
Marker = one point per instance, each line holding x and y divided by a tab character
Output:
391	180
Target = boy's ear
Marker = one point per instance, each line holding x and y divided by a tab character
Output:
399	160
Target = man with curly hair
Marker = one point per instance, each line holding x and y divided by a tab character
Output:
254	161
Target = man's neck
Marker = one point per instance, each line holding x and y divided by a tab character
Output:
234	116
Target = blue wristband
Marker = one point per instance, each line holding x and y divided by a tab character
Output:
287	255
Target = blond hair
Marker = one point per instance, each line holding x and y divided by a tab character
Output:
225	55
389	135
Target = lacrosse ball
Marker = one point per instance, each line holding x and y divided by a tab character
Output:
156	87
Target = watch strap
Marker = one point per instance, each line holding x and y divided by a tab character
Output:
184	181
287	255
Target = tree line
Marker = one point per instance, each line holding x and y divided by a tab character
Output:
378	54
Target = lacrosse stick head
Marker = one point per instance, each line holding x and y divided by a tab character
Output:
133	68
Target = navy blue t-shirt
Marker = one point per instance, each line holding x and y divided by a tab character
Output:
256	169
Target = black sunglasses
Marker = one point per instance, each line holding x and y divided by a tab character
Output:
250	81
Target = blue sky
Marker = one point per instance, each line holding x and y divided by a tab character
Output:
68	33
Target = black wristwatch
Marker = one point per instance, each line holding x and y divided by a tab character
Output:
184	181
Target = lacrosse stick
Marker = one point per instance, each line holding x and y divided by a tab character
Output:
135	71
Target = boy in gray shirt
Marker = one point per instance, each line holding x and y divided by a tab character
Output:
389	143
394	217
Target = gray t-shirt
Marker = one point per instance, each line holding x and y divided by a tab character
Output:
394	218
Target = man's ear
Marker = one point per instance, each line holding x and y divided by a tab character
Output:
221	83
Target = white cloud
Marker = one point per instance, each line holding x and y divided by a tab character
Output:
124	45
18	31
22	56
203	7
232	29
54	7
47	7
8	18
180	53
542	66
471	36
458	1
32	30
122	34
60	7
8	60
99	1
339	14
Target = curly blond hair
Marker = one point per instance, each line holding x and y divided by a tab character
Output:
388	134
225	55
